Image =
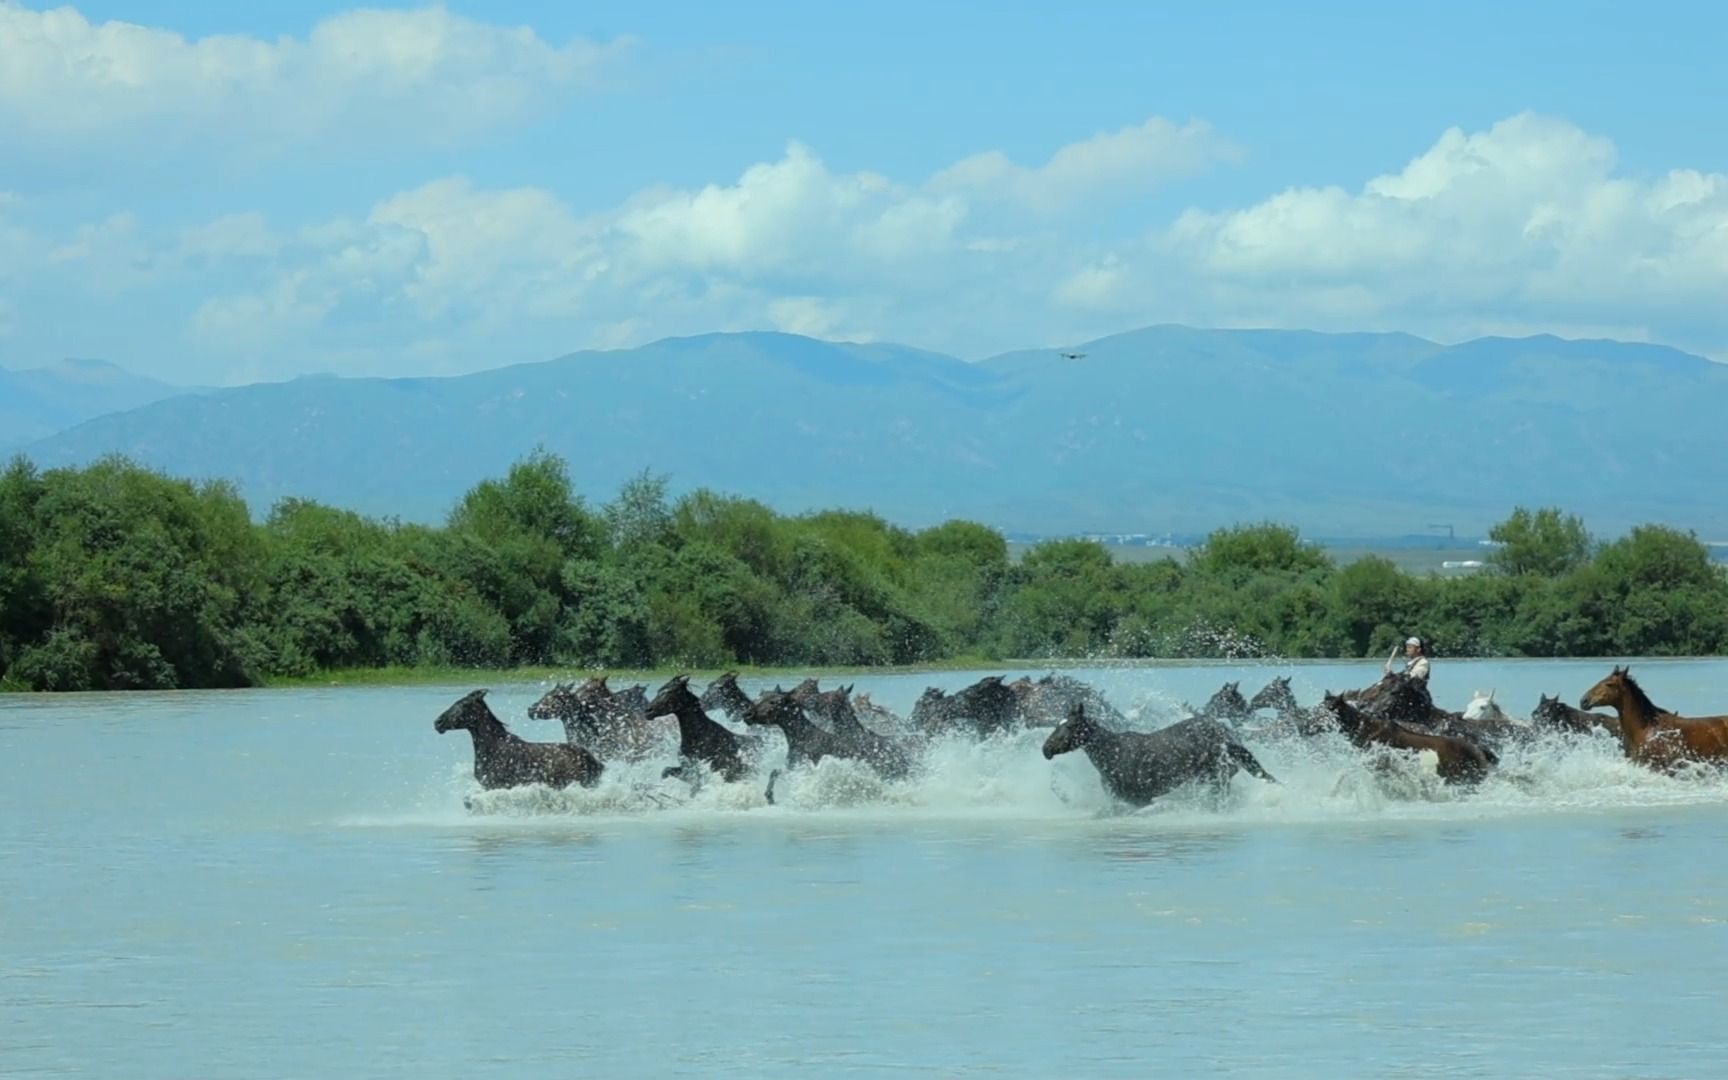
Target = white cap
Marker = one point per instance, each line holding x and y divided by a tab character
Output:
1413	641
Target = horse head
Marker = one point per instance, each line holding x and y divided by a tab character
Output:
671	698
558	702
470	712
1274	695
723	693
1071	734
1552	712
1610	691
1483	707
771	709
1228	702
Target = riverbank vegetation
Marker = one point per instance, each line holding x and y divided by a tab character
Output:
114	576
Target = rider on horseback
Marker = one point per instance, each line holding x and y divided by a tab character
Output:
1415	659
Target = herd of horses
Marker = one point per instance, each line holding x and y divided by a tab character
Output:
1393	716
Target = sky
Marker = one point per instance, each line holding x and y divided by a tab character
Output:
217	194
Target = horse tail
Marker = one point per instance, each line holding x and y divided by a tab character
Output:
1240	755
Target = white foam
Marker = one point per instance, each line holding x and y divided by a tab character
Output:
1007	778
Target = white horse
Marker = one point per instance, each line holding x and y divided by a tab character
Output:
1483	707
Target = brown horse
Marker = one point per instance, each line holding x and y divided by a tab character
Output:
1461	761
1653	736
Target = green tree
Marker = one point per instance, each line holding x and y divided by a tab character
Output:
24	615
640	513
1544	542
145	579
1374	605
1239	553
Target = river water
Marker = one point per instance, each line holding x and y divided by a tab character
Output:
288	883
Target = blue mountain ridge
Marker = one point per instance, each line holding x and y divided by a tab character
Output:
1169	428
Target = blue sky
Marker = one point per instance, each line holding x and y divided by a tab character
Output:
220	193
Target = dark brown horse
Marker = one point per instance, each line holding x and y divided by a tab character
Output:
1047	701
875	717
806	740
1653	736
1277	696
700	738
1555	715
1227	704
614	724
725	694
502	760
982	709
1137	767
833	708
1461	761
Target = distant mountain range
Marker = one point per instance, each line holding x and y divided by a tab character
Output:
41	401
1166	429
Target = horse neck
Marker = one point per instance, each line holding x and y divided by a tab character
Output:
843	719
1100	743
1358	725
733	699
1637	713
796	721
491	736
1643	710
691	716
1283	699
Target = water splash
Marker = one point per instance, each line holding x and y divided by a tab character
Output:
1007	777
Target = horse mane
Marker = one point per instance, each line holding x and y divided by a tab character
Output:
1640	697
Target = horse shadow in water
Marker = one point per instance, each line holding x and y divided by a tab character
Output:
1138	767
504	760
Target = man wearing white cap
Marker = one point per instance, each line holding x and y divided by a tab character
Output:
1415	659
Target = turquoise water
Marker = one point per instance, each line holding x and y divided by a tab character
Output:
287	884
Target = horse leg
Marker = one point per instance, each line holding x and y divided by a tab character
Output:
1240	755
769	794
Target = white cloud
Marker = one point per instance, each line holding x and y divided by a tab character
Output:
70	86
1524	223
1526	226
1098	286
788	215
234	236
1131	161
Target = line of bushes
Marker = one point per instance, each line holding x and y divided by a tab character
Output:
114	576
